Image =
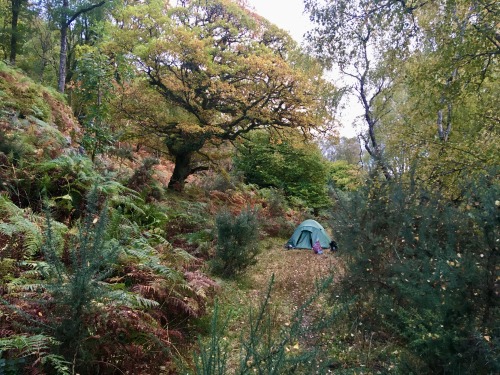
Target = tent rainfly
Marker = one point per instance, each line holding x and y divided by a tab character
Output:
306	235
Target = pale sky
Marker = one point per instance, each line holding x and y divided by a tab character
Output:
286	14
289	15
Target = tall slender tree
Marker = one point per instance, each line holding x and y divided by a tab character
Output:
67	13
353	37
438	55
16	10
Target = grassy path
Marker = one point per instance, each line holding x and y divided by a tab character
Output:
295	273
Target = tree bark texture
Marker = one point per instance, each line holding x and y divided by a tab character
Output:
182	170
66	21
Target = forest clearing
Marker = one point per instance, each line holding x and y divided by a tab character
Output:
156	156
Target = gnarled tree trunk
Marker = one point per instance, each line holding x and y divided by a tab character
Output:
182	170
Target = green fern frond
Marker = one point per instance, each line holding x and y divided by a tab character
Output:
38	266
8	229
184	255
19	225
140	249
145	302
38	346
19	286
137	256
76	170
27	345
24	222
59	364
131	300
161	269
147	257
7	207
128	203
113	188
67	163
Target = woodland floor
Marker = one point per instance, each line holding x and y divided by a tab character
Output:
295	273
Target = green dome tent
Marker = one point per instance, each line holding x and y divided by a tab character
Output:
306	235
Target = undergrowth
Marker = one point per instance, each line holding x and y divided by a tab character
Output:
422	270
266	347
237	243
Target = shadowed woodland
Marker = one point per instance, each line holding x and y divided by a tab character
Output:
155	157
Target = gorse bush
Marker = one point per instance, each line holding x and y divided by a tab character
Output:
211	357
62	288
237	242
422	268
270	349
265	347
78	288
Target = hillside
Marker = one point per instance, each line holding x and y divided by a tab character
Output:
130	285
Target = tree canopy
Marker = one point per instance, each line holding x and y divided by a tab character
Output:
425	74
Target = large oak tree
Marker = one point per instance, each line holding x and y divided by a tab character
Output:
212	71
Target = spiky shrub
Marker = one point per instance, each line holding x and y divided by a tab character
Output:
270	349
265	347
76	287
422	271
64	292
60	286
211	356
237	242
